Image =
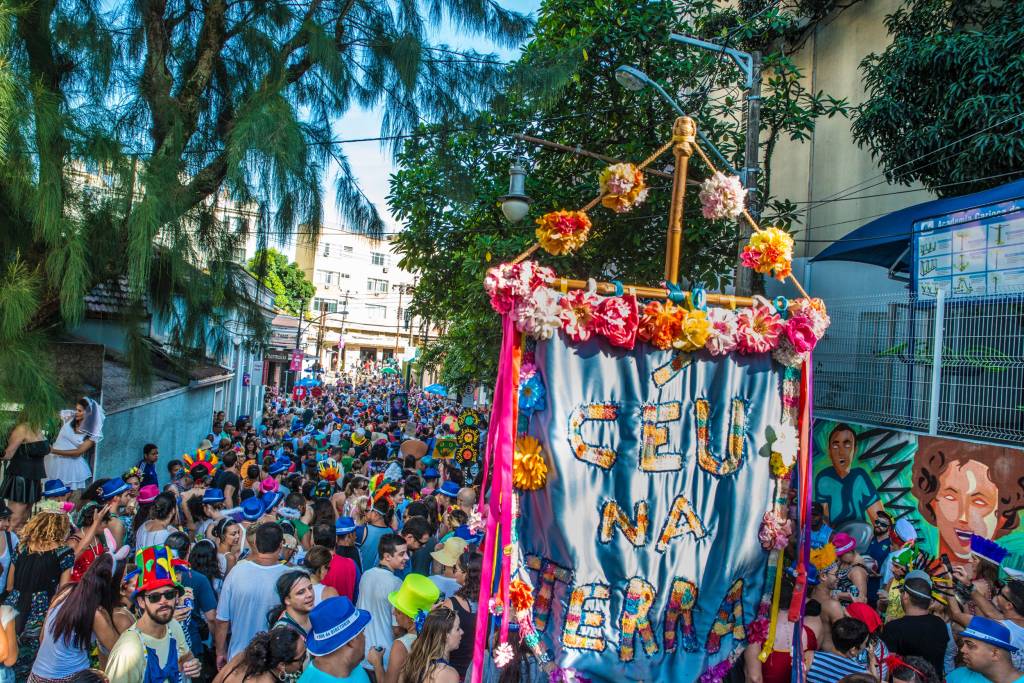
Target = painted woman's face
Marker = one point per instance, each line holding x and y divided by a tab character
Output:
967	503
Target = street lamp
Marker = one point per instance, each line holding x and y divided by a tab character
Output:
516	203
635	80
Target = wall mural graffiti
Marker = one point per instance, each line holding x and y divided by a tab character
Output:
948	489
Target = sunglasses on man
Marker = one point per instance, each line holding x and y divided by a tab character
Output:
156	598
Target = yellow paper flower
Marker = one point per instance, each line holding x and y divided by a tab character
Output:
622	186
529	471
770	252
694	331
563	232
824	557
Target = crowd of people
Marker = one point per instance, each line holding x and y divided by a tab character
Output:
324	542
880	609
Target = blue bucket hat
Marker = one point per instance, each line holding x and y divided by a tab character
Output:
271	499
431	473
449	488
55	487
252	509
114	487
988	631
335	622
344	525
467	535
213	496
279	466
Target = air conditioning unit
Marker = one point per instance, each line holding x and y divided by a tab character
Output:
385	269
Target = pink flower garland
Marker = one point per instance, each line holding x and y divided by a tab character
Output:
722	339
775	531
617	320
757	329
579	314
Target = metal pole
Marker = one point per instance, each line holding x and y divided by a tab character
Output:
937	341
745	276
298	342
398	317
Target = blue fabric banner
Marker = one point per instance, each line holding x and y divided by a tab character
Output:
643	548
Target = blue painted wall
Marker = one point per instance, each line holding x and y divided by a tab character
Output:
176	424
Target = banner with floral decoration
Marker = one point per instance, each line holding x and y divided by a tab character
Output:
654	444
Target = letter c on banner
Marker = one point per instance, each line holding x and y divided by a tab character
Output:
594	454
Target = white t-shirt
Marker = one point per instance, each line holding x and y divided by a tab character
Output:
249	592
374	588
1017	640
127	661
145	538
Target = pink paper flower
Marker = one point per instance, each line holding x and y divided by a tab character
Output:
722	338
539	314
722	196
757	329
498	285
617	320
786	355
814	309
508	283
775	531
800	333
578	314
528	368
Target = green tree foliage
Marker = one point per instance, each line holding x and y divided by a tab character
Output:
563	89
125	127
953	70
292	291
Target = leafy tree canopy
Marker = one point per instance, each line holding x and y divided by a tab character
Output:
954	70
128	126
292	291
563	89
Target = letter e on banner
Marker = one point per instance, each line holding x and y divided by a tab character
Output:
654	437
582	619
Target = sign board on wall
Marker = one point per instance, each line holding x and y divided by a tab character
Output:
973	252
296	362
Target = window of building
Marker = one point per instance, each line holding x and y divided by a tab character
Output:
407	318
238	254
327	249
347	249
376	312
377	258
375	285
343	276
320	305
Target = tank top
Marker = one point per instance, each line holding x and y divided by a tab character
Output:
58	659
462	656
318	593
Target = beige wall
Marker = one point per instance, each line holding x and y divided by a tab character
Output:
831	163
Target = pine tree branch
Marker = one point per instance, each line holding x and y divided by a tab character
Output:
156	82
208	47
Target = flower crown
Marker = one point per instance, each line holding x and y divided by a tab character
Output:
130	472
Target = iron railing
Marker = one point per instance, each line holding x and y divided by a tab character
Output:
932	365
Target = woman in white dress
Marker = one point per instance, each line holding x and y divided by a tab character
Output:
82	429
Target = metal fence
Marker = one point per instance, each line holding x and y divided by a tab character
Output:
932	365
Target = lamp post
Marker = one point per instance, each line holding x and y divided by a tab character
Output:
516	203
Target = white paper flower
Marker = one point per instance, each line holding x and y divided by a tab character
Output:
786	444
539	314
503	655
722	196
786	355
722	338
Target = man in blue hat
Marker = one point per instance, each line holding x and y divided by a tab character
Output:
986	650
336	642
55	489
213	507
112	493
430	477
446	494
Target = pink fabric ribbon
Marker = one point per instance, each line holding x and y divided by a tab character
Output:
498	459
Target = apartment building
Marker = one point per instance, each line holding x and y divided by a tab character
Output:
361	306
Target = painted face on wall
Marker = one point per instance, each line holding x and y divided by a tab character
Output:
967	502
841	447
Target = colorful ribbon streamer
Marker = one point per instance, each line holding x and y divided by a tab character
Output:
806	483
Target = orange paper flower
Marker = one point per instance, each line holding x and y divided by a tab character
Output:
660	324
563	232
520	596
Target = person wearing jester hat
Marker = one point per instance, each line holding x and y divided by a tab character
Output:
154	650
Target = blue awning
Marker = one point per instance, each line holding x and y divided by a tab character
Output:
885	241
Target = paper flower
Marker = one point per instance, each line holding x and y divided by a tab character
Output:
718	672
531	396
503	655
694	331
786	443
494	606
622	186
520	596
775	531
528	368
757	329
660	324
529	471
579	313
539	314
757	630
722	333
786	355
770	252
562	232
509	283
824	557
617	319
722	196
800	333
476	522
814	309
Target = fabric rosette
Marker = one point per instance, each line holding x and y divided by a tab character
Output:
722	332
539	314
529	471
814	310
578	313
617	319
775	531
509	283
532	396
503	654
693	332
622	187
563	232
757	329
770	252
520	596
722	197
660	324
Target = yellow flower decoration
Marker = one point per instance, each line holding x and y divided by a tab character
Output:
770	251
563	232
694	331
824	557
622	187
779	467
529	471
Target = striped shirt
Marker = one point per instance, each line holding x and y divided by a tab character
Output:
829	668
